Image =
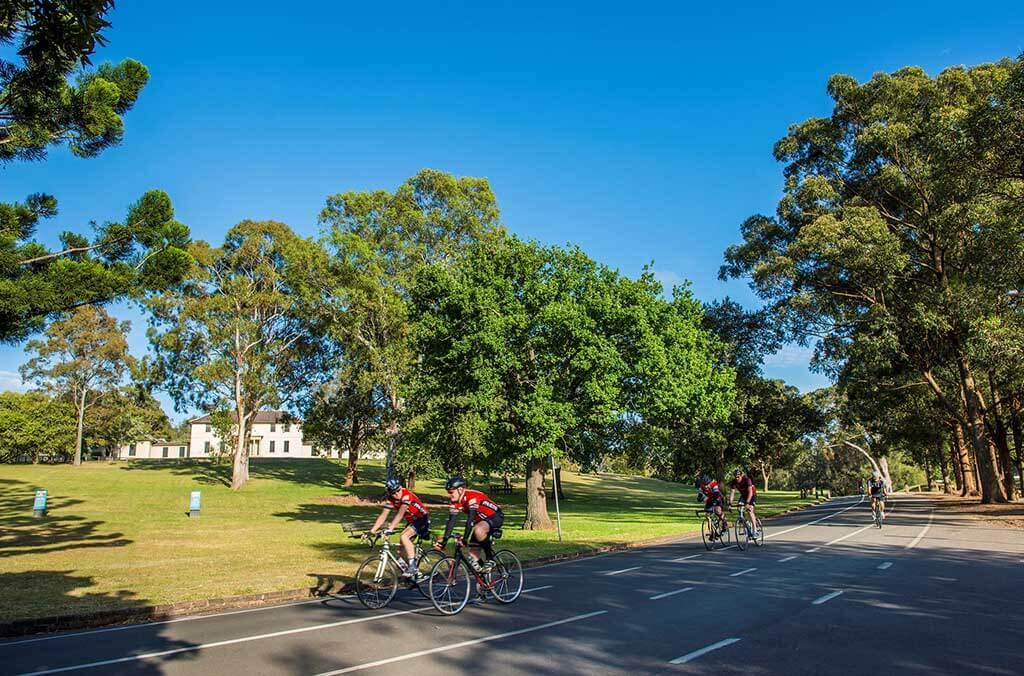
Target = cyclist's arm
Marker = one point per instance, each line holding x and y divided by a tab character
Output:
732	495
380	520
398	516
450	526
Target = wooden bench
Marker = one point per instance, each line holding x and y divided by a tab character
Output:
500	489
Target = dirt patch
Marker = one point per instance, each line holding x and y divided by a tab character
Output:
1009	515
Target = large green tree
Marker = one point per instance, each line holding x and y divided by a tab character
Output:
36	426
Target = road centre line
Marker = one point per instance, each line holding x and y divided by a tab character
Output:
243	639
685	558
462	644
742	572
848	535
811	551
826	598
811	523
619	572
688	657
885	566
788	558
671	593
920	535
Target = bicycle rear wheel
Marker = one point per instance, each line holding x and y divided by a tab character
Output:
759	538
376	582
449	585
507	577
424	566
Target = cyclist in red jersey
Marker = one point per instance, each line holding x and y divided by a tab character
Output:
485	516
747	490
417	520
710	493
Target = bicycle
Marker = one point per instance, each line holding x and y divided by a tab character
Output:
876	511
449	582
747	531
714	530
377	577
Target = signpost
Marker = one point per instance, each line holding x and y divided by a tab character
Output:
39	505
554	482
193	504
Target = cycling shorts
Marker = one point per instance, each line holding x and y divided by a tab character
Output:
421	526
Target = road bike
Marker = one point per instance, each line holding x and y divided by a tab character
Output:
449	584
714	529
876	511
747	529
377	578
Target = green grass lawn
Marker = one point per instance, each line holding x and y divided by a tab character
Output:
117	535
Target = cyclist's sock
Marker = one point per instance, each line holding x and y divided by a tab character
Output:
489	548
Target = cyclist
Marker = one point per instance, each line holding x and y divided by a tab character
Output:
416	518
876	489
748	493
710	493
485	516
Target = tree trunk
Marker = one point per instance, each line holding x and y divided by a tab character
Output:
1002	444
240	465
410	481
944	466
928	472
992	489
558	483
883	464
354	442
80	428
536	500
969	485
954	460
1018	439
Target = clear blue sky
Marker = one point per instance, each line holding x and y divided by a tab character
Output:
641	131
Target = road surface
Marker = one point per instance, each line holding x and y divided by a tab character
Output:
933	592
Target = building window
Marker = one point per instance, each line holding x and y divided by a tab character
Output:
165	452
131	449
271	445
208	428
287	427
273	427
285	445
206	448
181	451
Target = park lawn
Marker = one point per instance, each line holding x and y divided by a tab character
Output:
117	534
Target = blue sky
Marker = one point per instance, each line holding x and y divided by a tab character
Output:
640	131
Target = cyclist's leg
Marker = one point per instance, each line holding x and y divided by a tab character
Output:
481	538
409	546
752	513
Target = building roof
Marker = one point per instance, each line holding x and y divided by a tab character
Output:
260	417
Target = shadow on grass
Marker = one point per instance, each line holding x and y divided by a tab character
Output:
22	533
307	472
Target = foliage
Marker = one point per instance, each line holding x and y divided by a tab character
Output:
34	427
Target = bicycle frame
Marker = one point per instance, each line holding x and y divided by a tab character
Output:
387	556
481	581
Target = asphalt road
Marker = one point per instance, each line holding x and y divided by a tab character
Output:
933	592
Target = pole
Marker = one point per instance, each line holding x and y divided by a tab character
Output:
554	482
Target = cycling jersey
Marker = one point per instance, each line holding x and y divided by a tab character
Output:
745	485
712	494
876	488
476	500
414	508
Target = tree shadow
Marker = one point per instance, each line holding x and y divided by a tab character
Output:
307	472
23	533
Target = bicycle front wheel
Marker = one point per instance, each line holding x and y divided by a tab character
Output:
376	582
707	533
759	538
742	531
424	566
449	585
507	577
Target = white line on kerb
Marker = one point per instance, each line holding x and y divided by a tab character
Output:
788	558
618	572
923	531
742	572
826	598
461	644
885	566
703	651
671	593
811	523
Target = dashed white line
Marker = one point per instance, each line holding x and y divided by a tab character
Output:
461	644
811	551
848	535
811	523
826	598
742	572
619	572
703	651
788	558
671	593
885	566
923	531
685	558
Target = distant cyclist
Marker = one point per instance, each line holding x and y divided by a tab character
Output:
748	494
710	493
416	517
485	516
876	489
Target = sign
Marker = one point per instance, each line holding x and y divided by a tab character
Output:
193	504
39	505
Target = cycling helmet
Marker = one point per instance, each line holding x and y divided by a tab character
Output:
738	473
705	480
876	474
455	482
392	486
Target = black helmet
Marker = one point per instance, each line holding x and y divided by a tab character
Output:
738	473
705	480
455	482
392	486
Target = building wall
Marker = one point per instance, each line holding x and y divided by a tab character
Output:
147	449
204	441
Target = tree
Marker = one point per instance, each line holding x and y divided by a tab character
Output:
125	415
781	418
83	357
378	242
34	425
236	336
881	239
50	96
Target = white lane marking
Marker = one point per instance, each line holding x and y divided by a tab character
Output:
923	531
811	523
788	558
826	598
943	579
535	589
885	566
671	593
811	551
742	572
848	535
461	644
619	572
685	558
703	651
190	618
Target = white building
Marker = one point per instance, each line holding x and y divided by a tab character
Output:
274	434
